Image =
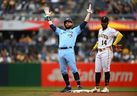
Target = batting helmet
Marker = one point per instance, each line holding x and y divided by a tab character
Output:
68	20
104	19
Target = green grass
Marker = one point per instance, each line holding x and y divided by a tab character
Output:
39	91
123	89
51	89
55	89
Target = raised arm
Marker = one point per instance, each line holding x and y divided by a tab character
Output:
47	16
87	18
89	12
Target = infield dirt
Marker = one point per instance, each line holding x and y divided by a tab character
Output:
94	94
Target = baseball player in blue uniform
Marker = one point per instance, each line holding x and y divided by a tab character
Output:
67	39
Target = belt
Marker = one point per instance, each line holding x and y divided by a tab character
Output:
64	47
102	49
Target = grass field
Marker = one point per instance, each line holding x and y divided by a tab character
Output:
39	91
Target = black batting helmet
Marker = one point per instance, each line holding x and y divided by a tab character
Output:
68	20
104	19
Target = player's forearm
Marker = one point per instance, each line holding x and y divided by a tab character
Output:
118	38
87	18
89	10
53	27
95	46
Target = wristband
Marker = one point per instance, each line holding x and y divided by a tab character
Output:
46	17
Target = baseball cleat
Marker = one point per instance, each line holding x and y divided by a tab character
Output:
105	90
79	88
94	90
66	89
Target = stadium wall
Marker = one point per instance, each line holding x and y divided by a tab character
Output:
20	74
3	74
48	75
122	75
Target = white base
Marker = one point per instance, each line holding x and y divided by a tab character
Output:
80	91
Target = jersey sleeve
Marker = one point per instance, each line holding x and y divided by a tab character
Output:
58	30
55	29
114	32
77	30
82	25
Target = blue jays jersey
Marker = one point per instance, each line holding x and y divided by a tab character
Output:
68	37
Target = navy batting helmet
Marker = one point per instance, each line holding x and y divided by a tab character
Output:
67	20
104	19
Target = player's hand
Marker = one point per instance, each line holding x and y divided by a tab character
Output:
47	11
118	47
89	10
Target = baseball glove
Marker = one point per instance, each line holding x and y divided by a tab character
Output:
118	48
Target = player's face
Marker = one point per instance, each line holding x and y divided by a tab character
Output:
68	25
104	25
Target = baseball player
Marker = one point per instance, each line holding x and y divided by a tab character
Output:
104	56
67	39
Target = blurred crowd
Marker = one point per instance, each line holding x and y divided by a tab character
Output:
34	47
26	9
34	6
123	9
31	9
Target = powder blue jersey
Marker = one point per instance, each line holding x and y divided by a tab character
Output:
68	37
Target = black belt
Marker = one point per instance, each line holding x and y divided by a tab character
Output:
64	47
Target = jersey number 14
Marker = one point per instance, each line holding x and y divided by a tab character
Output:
104	42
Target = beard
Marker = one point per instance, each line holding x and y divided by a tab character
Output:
68	27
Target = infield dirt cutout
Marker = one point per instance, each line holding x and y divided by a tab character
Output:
94	94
